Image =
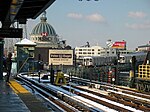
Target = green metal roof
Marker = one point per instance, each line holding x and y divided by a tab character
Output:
43	27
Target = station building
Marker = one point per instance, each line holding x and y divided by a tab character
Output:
47	40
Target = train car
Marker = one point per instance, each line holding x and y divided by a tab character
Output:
108	60
98	60
127	58
87	61
103	60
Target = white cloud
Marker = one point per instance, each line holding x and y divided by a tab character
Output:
75	15
140	26
137	14
95	18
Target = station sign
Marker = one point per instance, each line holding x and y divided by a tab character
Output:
60	57
11	33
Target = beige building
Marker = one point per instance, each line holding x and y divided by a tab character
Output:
98	51
144	48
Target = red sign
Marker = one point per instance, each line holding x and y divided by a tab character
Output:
44	34
119	45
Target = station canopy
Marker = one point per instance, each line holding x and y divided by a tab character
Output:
21	10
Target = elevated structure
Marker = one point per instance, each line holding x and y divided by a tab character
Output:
19	11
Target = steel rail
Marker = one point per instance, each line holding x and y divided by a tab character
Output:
63	96
116	99
61	104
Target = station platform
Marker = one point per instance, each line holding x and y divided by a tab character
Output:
15	98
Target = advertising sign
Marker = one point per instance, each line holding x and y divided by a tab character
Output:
61	57
119	45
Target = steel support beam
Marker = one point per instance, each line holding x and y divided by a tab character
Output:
1	58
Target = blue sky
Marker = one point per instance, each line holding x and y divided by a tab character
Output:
97	21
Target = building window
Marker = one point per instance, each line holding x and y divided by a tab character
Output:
92	49
80	49
84	49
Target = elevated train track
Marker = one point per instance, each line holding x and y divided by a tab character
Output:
132	102
57	104
141	101
100	100
105	86
79	98
63	100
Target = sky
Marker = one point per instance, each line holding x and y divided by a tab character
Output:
79	21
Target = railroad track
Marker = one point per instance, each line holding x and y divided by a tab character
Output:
57	104
105	86
75	100
125	100
69	103
98	99
142	103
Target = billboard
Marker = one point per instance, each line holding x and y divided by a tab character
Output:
60	57
119	45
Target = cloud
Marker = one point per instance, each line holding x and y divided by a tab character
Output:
75	15
139	26
137	14
95	18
